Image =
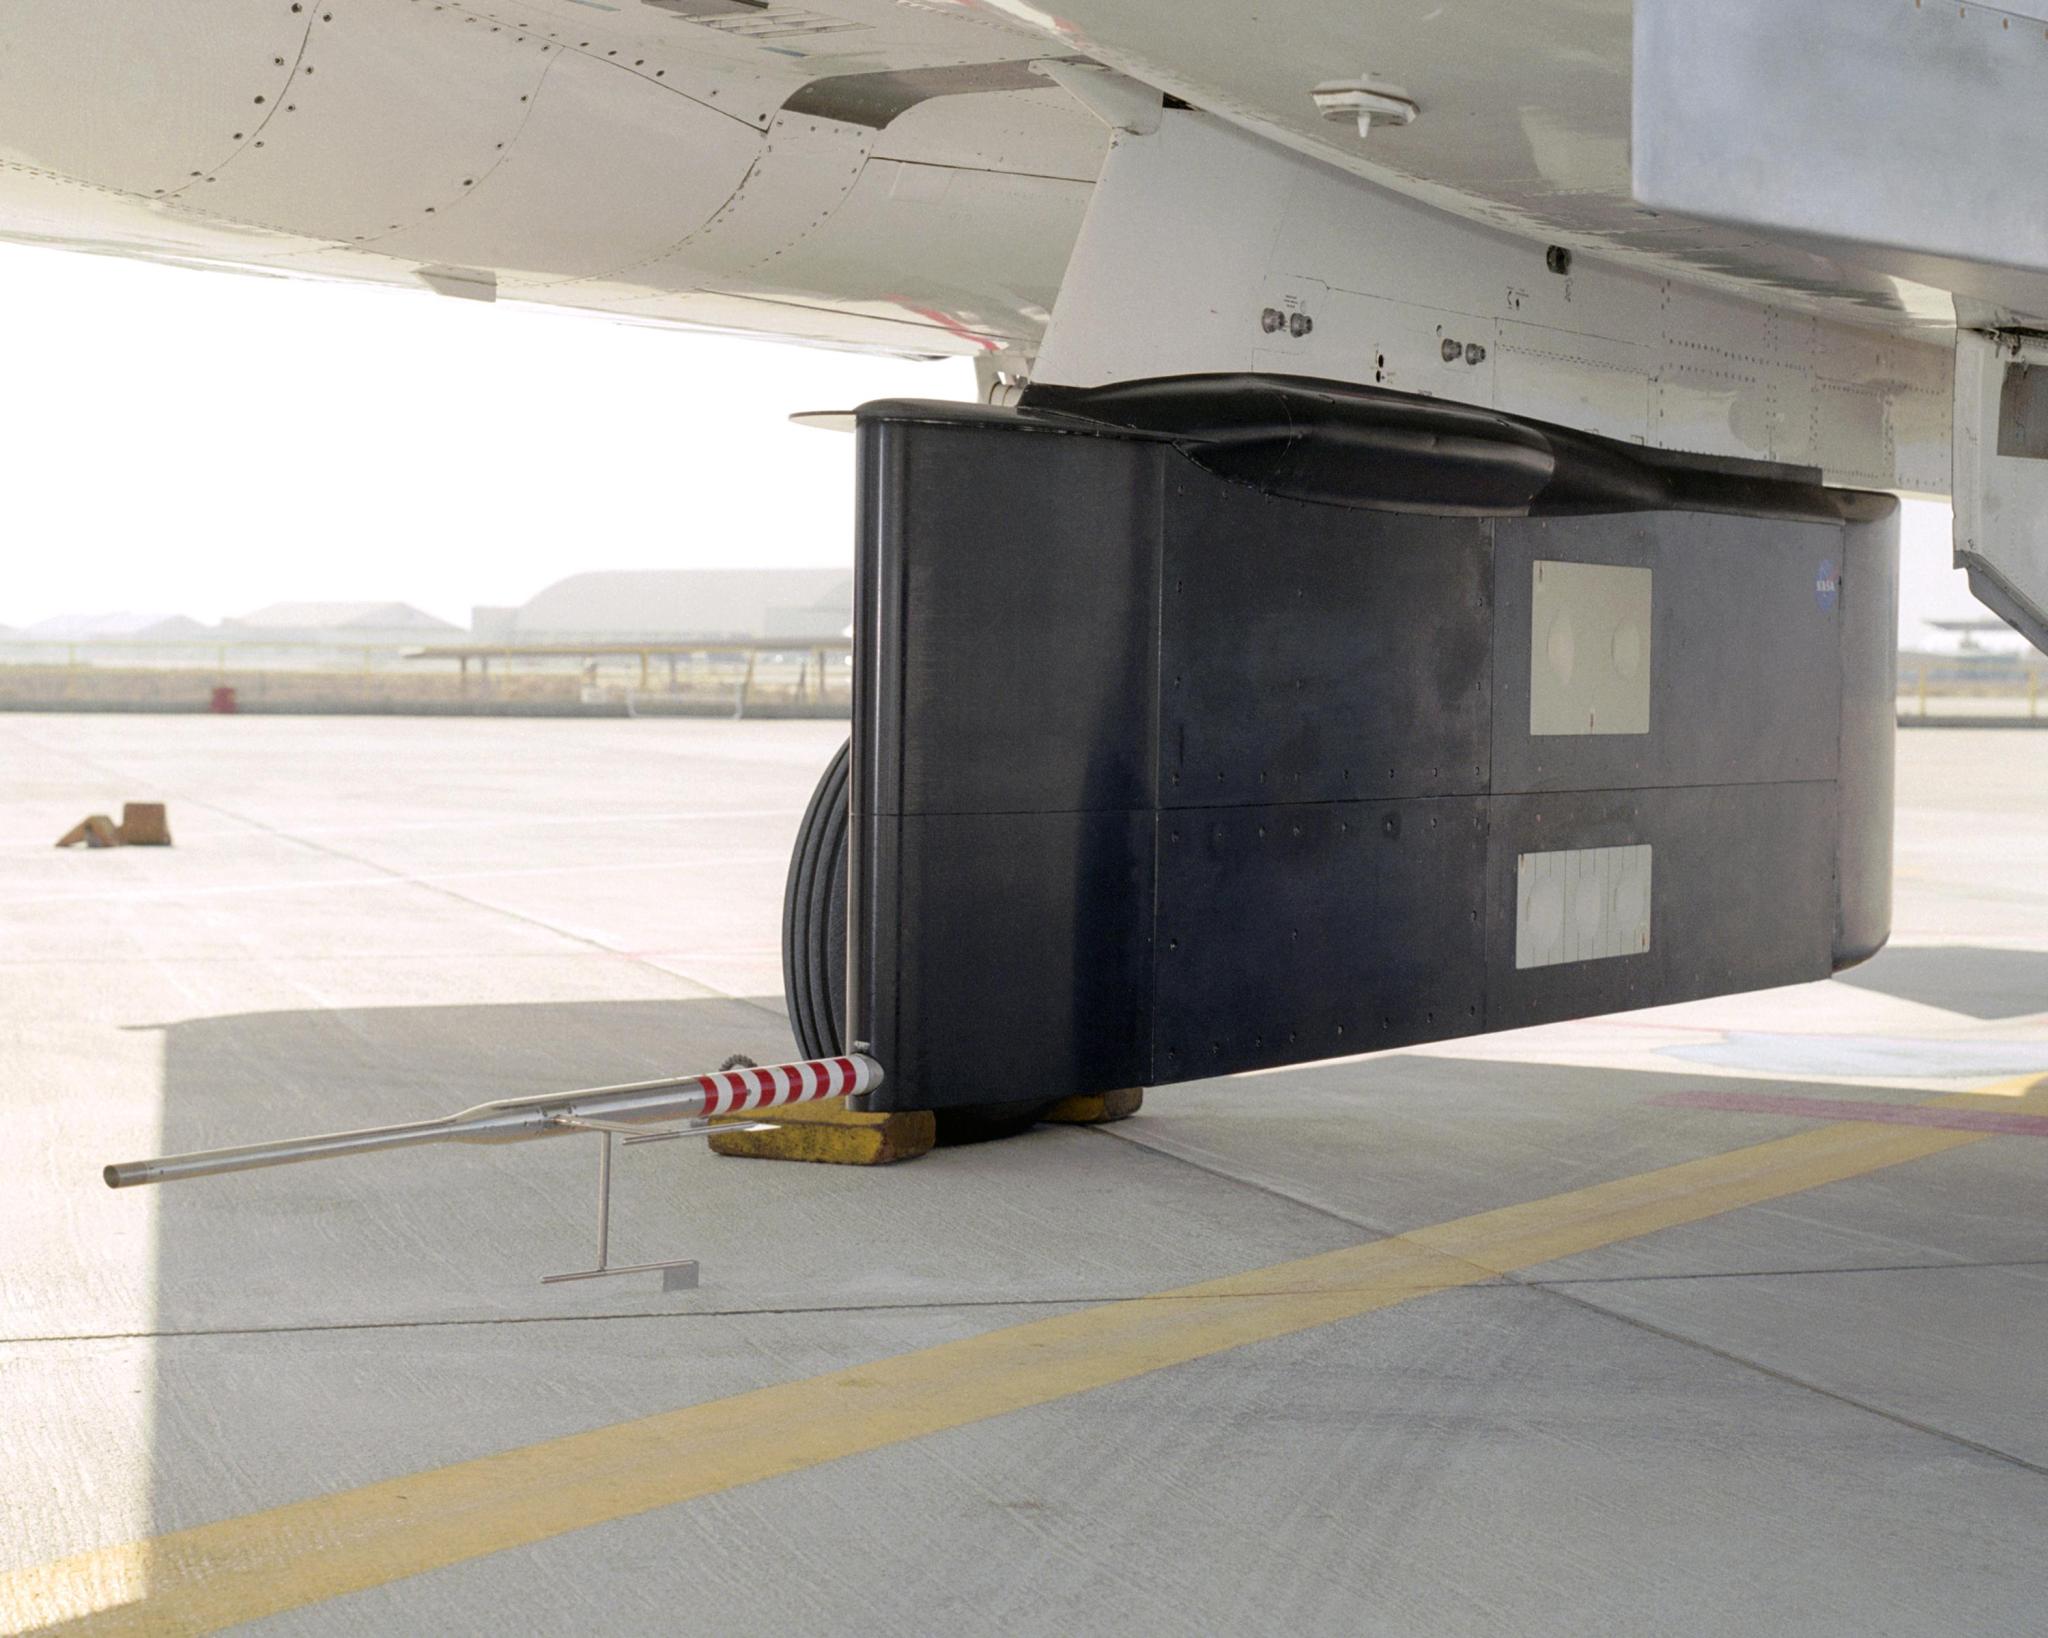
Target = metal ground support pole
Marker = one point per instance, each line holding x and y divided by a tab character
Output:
739	704
680	1275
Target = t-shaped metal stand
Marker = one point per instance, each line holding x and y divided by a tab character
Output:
680	1275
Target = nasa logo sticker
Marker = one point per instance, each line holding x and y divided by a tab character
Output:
1827	585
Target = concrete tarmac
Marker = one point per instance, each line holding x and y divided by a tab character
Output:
1525	1336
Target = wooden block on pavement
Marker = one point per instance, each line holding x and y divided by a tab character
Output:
829	1133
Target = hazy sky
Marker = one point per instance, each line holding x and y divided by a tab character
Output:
205	443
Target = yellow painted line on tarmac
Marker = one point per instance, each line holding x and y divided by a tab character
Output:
241	1569
2031	1088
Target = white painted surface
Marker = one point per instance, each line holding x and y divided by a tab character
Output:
631	160
1524	124
1194	230
1589	648
2001	501
622	160
1581	904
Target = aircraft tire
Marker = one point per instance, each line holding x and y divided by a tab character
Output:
814	919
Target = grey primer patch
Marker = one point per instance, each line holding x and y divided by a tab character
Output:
2023	413
1589	649
465	283
1582	904
876	99
697	10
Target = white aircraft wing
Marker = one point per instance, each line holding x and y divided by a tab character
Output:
1804	234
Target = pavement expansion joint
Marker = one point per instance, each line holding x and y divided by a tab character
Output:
473	902
1138	1140
960	1305
1558	1288
185	798
957	1305
1744	1362
1788	1273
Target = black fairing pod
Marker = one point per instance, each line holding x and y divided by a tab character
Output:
1216	723
1395	452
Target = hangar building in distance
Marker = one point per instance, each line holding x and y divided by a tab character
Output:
340	623
631	605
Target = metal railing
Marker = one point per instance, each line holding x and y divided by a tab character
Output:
808	676
1974	688
199	654
751	672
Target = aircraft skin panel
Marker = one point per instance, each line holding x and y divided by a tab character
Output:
855	257
1894	133
1206	251
900	175
1023	133
635	162
397	129
509	186
142	99
798	176
1524	123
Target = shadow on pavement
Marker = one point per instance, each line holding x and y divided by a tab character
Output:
407	1235
235	1077
1978	982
